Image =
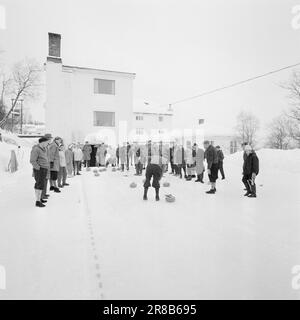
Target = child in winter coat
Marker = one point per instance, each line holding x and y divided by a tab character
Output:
250	171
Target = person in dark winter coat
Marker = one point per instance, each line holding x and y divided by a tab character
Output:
220	161
137	159
173	171
118	155
250	171
211	157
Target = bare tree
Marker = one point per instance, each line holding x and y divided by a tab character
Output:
25	83
247	127
293	87
4	88
279	133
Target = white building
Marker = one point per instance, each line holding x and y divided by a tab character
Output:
85	102
151	122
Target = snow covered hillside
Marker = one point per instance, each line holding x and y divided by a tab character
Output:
11	142
98	239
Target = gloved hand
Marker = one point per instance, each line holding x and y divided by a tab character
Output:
208	171
51	165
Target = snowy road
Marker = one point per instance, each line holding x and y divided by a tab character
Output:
100	240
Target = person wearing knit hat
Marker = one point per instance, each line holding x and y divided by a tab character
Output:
40	164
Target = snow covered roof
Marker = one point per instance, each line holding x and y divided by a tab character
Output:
145	106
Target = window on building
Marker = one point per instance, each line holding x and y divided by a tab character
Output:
102	86
104	119
139	118
160	118
139	131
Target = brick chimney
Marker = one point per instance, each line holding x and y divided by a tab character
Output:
54	47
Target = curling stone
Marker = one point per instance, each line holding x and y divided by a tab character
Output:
166	184
170	198
133	185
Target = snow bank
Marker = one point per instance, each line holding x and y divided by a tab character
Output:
11	142
273	160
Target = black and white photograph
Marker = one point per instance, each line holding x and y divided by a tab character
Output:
149	150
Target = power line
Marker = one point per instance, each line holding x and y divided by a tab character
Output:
234	84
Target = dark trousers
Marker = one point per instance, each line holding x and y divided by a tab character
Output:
221	169
180	168
87	163
77	167
139	168
44	192
250	186
153	171
40	177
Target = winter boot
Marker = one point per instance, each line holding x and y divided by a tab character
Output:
252	195
39	204
211	191
51	188
145	194
43	201
198	178
56	190
157	194
247	194
66	184
253	191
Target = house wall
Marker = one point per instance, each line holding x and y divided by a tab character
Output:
151	123
71	101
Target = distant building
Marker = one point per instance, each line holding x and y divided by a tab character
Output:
228	143
85	101
151	121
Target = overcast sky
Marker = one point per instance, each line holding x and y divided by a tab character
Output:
176	48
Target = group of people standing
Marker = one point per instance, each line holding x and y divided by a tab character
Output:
53	163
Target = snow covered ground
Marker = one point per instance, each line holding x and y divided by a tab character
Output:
99	240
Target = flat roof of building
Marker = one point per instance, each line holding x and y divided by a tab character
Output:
98	70
145	107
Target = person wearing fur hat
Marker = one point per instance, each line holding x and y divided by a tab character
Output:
211	157
54	163
40	163
250	171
